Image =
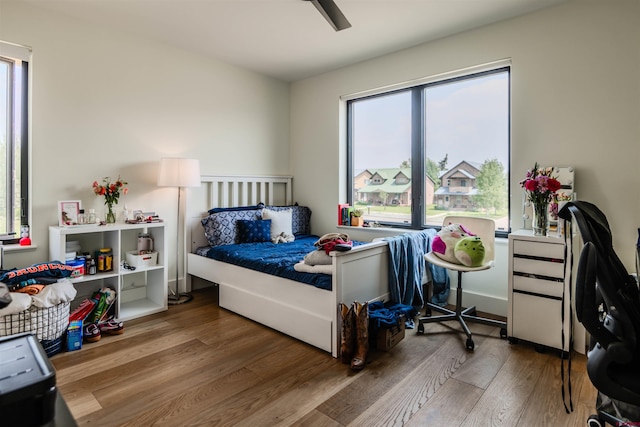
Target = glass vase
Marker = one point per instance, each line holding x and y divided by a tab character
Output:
111	216
540	223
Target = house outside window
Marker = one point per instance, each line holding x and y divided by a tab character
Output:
13	137
418	153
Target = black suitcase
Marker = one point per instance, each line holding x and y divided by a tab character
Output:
27	382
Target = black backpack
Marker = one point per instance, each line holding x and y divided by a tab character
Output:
603	285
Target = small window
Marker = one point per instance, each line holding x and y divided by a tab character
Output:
14	178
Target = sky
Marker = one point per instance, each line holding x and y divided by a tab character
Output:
466	120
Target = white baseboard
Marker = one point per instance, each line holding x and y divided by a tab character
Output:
484	303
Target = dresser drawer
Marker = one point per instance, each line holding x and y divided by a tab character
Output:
538	286
538	249
538	267
538	320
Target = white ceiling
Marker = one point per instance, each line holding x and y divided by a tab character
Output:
289	39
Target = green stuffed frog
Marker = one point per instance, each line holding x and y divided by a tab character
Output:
469	251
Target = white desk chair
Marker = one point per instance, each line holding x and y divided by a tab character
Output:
485	229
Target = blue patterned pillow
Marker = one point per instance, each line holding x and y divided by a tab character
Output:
253	231
300	218
220	228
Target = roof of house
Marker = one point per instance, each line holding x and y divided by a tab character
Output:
475	165
389	185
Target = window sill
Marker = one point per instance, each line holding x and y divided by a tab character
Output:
17	248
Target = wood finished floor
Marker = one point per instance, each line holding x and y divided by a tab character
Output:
197	364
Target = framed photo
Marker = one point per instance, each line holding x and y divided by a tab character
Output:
68	211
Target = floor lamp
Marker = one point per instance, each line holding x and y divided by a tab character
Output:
181	173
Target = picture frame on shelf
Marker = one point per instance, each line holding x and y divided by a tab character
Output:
68	211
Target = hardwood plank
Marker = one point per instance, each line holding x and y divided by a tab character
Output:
441	409
316	419
504	400
232	410
208	370
397	404
546	403
483	364
381	373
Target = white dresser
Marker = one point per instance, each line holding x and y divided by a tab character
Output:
539	291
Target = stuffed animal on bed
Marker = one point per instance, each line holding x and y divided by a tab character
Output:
445	246
469	251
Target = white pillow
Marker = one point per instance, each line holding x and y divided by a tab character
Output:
281	224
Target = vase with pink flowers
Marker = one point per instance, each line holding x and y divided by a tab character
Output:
540	187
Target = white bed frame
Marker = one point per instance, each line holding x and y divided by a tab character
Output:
302	311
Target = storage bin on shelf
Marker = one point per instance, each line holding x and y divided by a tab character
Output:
145	260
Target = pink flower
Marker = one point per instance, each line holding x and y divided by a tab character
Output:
541	187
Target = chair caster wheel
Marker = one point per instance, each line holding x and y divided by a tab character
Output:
470	344
503	333
420	329
594	421
427	312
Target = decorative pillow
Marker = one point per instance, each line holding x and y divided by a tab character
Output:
444	242
236	208
280	224
300	218
253	231
220	228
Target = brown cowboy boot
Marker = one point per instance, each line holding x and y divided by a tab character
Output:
361	314
348	333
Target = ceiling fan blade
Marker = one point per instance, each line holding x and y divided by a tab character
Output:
332	14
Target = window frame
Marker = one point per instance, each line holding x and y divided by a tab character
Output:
418	142
11	53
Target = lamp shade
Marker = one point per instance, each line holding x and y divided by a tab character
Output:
177	172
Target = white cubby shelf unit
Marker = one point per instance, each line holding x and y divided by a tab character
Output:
140	292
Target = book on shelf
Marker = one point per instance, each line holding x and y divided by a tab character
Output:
346	216
341	206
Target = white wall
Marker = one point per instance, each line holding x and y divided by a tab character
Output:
105	103
575	102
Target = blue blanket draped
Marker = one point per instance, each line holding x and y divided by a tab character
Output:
407	268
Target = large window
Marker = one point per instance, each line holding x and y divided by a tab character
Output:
13	139
417	154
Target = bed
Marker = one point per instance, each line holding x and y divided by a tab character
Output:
303	311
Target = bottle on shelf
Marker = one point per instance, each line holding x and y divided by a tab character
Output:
125	213
92	266
91	218
82	219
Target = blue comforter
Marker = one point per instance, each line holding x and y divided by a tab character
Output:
275	259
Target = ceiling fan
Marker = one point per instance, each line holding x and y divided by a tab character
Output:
331	13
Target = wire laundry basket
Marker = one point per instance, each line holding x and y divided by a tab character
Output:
48	324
